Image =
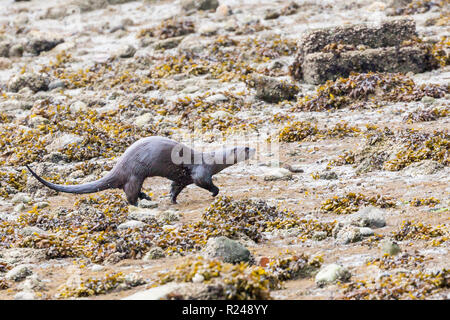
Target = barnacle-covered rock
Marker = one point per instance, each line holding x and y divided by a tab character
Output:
18	273
36	82
320	67
346	234
271	89
330	53
423	167
17	256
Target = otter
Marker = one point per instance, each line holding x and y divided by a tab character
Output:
162	157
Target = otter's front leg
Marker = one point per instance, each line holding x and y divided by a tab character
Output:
175	190
207	185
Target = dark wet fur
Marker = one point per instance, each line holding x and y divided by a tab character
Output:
150	157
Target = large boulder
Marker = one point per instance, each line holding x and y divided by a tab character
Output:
329	53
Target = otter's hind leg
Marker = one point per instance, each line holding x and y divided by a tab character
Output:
132	189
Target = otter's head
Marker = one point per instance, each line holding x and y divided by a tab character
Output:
226	157
238	154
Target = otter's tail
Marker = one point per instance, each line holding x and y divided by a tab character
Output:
104	183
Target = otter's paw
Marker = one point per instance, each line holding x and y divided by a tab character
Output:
215	192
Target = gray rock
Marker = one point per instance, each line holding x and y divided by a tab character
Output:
77	107
144	120
427	100
21	198
4	49
97	267
328	175
319	67
25	295
127	52
367	217
274	174
217	98
18	273
31	230
42	204
132	224
389	247
36	82
223	10
89	5
295	168
227	250
32	283
119	1
19	207
16	50
168	216
154	253
366	232
199	4
63	141
157	293
346	234
273	90
382	51
38	45
169	43
17	256
423	167
133	280
5	63
319	235
144	215
148	204
331	274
